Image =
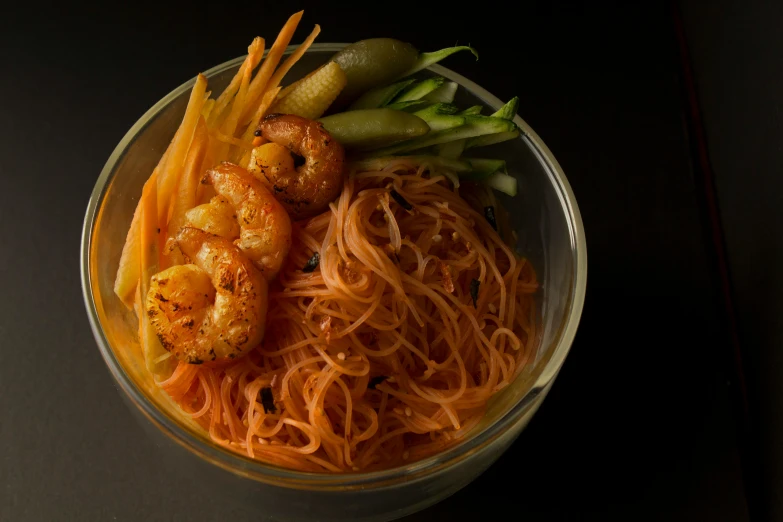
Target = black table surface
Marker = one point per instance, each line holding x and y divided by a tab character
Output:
642	421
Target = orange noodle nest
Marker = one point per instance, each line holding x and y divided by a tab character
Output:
379	356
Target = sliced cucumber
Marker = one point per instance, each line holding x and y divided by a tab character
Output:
443	94
440	116
439	122
409	106
490	139
509	110
379	97
419	90
426	59
482	168
502	182
472	111
474	126
438	108
459	167
451	150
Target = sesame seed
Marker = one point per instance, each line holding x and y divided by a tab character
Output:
262	441
341	356
437	238
408	411
379	207
492	308
398	411
391	379
454	236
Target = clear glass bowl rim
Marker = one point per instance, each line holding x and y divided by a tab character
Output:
265	473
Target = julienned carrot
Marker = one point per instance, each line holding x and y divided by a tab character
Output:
255	52
162	227
205	192
263	107
293	58
128	272
167	178
206	110
274	87
137	304
229	126
259	84
185	195
225	138
148	266
264	87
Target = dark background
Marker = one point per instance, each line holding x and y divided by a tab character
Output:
658	413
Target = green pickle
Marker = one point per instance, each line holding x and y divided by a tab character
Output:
362	129
370	63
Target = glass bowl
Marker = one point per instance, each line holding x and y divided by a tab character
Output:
549	227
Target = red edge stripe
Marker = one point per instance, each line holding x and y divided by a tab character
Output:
712	205
703	167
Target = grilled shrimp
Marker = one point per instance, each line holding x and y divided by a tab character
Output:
216	217
214	308
264	228
309	189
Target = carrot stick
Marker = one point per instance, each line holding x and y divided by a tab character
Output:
205	192
209	106
185	196
266	102
230	124
255	52
293	58
148	266
128	272
225	138
167	178
137	304
259	84
274	86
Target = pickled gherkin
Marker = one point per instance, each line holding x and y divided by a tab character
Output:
373	62
363	129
